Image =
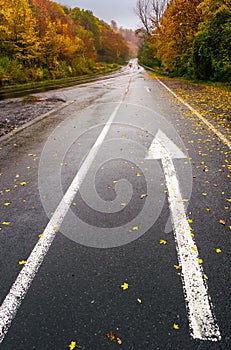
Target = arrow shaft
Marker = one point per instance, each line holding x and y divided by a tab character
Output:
201	320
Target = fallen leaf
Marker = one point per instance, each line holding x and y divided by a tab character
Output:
110	336
23	183
72	346
22	262
135	228
119	341
205	276
228	200
218	250
7	204
6	223
200	261
190	221
138	174
123	204
144	195
139	301
177	267
162	241
124	286
176	326
32	155
222	222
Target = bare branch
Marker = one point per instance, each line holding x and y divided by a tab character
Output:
143	11
158	9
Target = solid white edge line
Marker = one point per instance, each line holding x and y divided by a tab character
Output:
13	300
205	121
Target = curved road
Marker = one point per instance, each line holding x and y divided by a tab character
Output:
115	224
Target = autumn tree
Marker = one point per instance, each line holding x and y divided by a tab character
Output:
113	47
18	31
212	44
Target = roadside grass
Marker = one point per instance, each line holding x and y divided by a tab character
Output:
100	69
225	86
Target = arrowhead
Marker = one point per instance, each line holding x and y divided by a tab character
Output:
162	146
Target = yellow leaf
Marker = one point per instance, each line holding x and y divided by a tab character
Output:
190	221
123	204
142	196
40	235
119	341
115	181
74	204
138	174
218	250
206	277
6	223
7	190
55	228
177	267
72	346
124	286
194	249
139	301
135	228
7	204
23	183
200	261
162	241
22	262
176	326
228	200
204	194
222	222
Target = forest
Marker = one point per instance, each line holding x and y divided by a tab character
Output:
43	40
187	38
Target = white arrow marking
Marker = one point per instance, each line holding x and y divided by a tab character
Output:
202	323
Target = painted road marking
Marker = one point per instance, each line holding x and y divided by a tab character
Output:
21	285
205	121
201	320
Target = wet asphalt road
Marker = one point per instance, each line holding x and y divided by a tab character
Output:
113	231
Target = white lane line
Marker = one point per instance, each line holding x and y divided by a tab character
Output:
205	121
202	323
21	285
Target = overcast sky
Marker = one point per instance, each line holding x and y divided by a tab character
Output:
122	11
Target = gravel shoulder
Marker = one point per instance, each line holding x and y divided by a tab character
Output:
16	112
212	103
